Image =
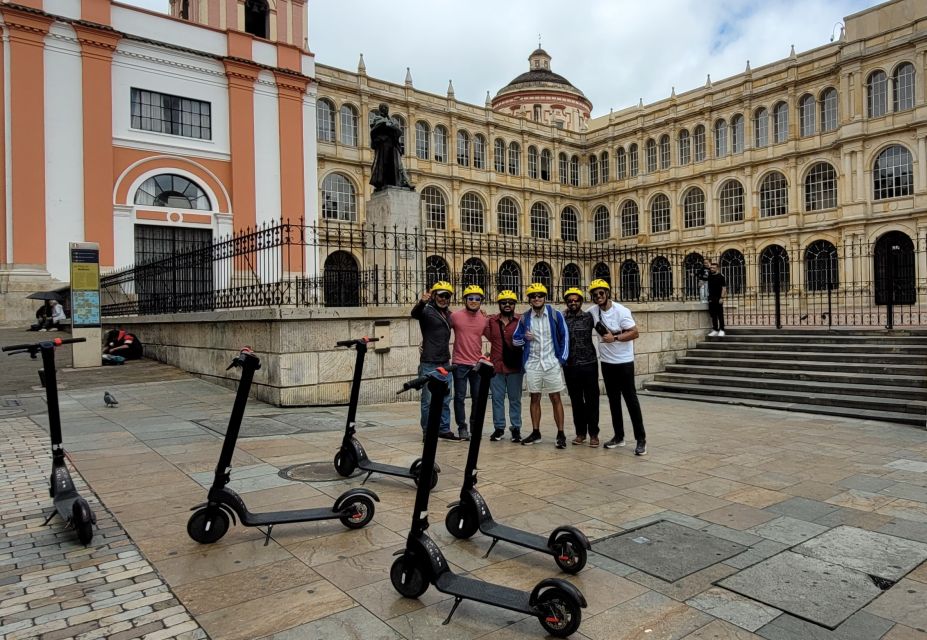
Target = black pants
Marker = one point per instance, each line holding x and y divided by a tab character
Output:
716	311
619	381
582	383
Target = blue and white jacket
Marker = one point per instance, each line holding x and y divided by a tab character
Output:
558	329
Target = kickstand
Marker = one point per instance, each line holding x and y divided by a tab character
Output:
457	602
267	535
494	541
369	473
50	516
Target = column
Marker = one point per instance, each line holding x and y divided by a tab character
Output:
290	90
241	78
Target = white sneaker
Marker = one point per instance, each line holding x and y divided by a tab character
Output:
712	334
43	330
720	334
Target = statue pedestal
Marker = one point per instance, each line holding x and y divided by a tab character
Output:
395	206
394	259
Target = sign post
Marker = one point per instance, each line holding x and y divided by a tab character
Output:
85	303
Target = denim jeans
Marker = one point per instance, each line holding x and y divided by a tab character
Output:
502	385
424	369
464	376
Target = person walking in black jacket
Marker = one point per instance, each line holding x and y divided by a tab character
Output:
717	289
434	320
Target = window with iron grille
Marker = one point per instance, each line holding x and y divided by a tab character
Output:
569	225
821	187
733	268
720	139
601	272
693	208
422	140
601	223
774	195
632	160
737	134
540	221
474	272
659	214
173	115
593	170
324	119
774	259
514	159
651	153
829	110
498	155
699	143
348	125
564	168
339	199
541	272
471	213
532	162
440	143
876	94
806	111
510	277
691	267
821	272
630	285
629	219
434	208
571	277
436	270
661	279
903	87
781	122
665	152
479	152
546	161
574	171
732	201
621	161
463	148
684	147
760	128
892	175
507	217
171	190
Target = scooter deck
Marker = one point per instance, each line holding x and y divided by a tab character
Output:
386	469
287	517
485	592
516	536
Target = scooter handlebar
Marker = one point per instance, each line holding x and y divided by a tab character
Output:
354	341
38	345
243	356
421	381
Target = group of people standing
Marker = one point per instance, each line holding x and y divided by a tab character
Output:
542	349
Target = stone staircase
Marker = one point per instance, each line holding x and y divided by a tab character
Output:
870	374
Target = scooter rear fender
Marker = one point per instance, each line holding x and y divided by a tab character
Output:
547	583
568	529
347	495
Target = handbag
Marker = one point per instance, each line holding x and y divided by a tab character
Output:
511	355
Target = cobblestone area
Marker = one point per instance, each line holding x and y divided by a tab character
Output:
51	586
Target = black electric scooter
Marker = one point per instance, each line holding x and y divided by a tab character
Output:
556	603
566	544
351	455
69	504
211	521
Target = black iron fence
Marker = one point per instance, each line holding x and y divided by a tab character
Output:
331	264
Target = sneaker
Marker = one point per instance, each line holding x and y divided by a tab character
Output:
720	334
516	435
579	440
43	329
497	435
561	440
593	442
614	442
449	435
712	334
641	448
534	437
464	434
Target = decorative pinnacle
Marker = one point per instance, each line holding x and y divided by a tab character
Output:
747	70
450	88
408	77
488	100
792	52
708	80
361	67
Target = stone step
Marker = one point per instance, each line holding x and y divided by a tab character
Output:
862	414
850	375
836	355
861	368
848	331
824	338
906	349
793	384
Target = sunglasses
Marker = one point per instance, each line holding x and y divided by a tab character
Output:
536	295
574	300
507	303
600	292
474	299
443	296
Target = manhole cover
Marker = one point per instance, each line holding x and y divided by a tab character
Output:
313	472
667	550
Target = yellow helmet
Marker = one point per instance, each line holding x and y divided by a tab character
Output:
599	283
536	287
506	294
442	285
574	291
474	288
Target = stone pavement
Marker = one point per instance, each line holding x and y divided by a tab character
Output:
790	519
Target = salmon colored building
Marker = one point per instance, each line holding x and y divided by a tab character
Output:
147	133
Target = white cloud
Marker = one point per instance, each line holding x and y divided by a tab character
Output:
616	51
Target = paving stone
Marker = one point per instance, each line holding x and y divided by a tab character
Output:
352	624
727	605
802	509
859	626
903	603
758	552
737	516
865	483
808	588
878	554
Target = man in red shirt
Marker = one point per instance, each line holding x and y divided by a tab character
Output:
469	324
507	361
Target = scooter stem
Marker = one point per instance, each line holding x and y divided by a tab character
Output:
250	364
51	395
361	347
477	416
439	390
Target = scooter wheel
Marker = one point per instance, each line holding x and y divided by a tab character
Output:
82	520
360	512
208	525
344	463
569	554
408	578
559	612
461	522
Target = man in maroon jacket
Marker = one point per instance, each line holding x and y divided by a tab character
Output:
507	361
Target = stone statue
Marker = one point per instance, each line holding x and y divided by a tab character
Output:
385	134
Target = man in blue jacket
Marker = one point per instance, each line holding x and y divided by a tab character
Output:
543	333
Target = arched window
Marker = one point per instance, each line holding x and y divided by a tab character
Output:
720	138
463	148
436	270
603	166
325	120
903	87
171	190
685	148
760	128
514	159
341	280
546	162
734	270
574	171
533	162
422	140
821	272
339	199
507	217
630	285
479	152
593	170
601	224
509	277
651	153
540	221
821	187
828	109
737	134
541	272
693	208
474	272
876	94
434	208
498	155
732	201
257	17
402	126
699	143
629	219
471	213
894	253
569	225
661	279
665	152
621	162
571	277
806	110
774	260
691	267
774	195
440	143
564	168
632	160
892	175
601	272
659	214
348	125
781	122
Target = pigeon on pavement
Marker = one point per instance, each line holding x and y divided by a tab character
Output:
109	399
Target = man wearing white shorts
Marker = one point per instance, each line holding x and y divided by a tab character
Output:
543	332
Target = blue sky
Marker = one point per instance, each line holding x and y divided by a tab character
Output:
616	51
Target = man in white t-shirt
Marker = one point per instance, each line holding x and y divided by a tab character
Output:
617	331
